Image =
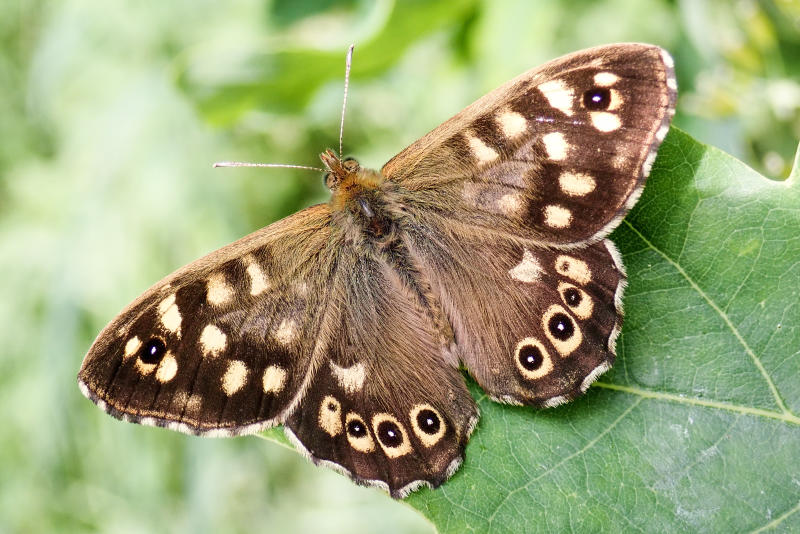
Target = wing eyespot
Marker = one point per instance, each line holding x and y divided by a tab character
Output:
391	435
428	424
358	433
597	99
532	358
153	351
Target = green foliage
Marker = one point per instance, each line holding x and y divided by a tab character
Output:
696	428
111	115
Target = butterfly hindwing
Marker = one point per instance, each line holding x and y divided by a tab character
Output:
555	156
223	345
373	410
532	325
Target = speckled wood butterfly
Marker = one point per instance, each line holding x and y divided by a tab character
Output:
482	244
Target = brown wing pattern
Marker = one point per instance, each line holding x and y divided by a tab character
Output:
222	346
385	405
555	156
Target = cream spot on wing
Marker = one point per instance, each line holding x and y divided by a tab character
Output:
258	282
218	290
397	431
213	340
583	308
559	95
528	270
512	123
605	79
557	216
170	315
604	121
286	332
144	368
556	146
194	403
510	203
662	132
234	378
565	342
274	379
532	358
620	161
132	346
351	379
573	268
427	439
330	416
615	100
167	368
479	149
360	443
576	184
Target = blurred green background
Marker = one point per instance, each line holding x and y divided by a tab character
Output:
110	117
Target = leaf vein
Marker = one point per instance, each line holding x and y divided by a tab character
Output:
724	316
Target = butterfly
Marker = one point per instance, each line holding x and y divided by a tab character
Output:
482	245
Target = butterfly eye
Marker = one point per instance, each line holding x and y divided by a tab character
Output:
560	326
152	351
350	164
597	99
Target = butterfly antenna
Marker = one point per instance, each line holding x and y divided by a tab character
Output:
273	165
347	64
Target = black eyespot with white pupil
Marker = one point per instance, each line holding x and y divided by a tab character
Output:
152	351
428	421
356	429
561	327
530	357
572	296
597	99
390	434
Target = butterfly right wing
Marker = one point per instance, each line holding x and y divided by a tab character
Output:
223	345
555	156
532	325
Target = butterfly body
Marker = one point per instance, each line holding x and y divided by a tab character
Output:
482	245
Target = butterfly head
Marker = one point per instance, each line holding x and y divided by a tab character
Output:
338	169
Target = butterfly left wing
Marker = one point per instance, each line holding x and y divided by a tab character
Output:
386	406
556	156
222	346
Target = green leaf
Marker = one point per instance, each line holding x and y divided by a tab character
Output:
696	427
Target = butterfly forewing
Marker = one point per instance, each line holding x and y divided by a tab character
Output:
557	155
222	346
